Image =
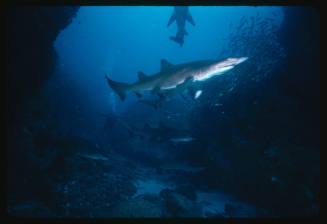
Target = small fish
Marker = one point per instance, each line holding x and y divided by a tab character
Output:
198	94
183	139
217	104
93	156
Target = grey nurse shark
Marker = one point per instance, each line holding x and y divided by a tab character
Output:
172	78
181	14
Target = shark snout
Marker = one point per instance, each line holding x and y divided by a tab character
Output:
232	62
241	60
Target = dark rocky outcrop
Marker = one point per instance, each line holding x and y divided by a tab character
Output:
300	36
30	56
268	133
179	205
30	61
139	207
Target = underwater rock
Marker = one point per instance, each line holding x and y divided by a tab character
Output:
138	207
229	209
154	198
209	214
29	209
150	186
236	210
177	205
188	191
91	188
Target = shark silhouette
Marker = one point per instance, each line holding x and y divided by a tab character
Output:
181	14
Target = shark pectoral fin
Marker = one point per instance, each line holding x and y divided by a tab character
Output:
183	96
165	64
161	95
186	82
172	19
191	91
138	94
156	90
190	19
142	76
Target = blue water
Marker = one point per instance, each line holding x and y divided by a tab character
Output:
120	41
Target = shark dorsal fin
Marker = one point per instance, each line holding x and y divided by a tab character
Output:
142	76
165	64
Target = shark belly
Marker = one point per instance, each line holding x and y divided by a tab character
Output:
172	81
163	83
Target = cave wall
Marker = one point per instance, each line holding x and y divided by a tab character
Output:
300	36
268	133
300	76
30	55
30	61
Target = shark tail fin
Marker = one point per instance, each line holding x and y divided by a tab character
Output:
119	87
177	40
